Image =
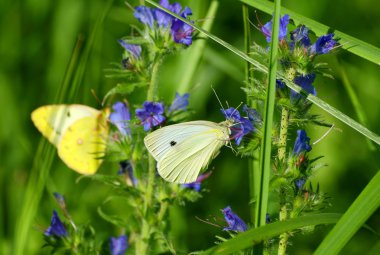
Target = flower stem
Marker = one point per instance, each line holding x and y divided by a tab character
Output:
152	95
281	156
284	236
283	133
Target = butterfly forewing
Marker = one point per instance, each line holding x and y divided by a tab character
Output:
53	120
182	150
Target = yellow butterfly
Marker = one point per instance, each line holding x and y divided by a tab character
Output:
77	131
183	150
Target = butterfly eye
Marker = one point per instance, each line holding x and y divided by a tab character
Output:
172	143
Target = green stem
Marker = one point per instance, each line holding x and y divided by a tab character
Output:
283	133
152	95
281	156
284	236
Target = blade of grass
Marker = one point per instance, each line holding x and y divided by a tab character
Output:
352	44
358	109
253	163
40	170
317	101
257	235
197	50
360	210
45	153
266	143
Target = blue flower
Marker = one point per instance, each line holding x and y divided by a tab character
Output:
56	227
133	49
241	126
162	18
280	84
306	83
233	221
267	218
267	28
302	143
299	183
182	32
120	117
179	102
145	15
300	36
118	245
151	114
323	45
252	114
197	184
125	167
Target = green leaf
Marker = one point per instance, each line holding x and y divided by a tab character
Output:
257	235
360	210
352	44
317	101
123	89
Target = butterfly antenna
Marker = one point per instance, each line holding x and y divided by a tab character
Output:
96	97
324	135
218	99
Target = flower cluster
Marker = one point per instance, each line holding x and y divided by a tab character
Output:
151	114
156	19
297	54
241	125
197	184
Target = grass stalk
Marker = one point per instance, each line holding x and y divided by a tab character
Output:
266	145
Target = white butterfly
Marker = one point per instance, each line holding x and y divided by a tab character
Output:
183	150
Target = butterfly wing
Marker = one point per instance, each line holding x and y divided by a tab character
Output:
182	150
84	143
53	120
79	132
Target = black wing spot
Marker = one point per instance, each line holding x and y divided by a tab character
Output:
172	143
68	114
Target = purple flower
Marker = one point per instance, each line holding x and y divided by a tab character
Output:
299	183
280	84
241	126
133	49
267	218
125	167
118	245
252	114
323	45
179	102
151	114
306	83
197	184
162	18
182	32
233	221
302	143
56	227
145	15
267	28
120	117
300	36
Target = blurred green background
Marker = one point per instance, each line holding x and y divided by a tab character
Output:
37	41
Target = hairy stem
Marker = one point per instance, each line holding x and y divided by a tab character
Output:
281	156
143	244
283	133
